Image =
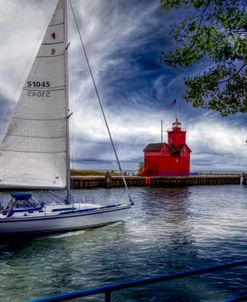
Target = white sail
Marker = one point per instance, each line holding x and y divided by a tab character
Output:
33	151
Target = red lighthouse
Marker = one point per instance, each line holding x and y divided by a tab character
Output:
168	159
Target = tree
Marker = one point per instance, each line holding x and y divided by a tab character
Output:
215	31
140	167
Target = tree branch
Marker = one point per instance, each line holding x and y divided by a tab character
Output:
227	80
200	23
177	61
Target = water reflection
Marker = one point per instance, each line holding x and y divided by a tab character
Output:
168	216
168	230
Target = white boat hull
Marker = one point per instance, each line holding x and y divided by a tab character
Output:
65	222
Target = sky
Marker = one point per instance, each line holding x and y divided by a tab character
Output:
123	39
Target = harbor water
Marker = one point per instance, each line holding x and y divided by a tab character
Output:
168	230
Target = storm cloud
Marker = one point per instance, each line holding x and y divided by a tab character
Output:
123	39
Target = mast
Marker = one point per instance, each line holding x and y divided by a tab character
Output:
68	186
161	131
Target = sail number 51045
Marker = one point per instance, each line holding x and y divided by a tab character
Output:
38	84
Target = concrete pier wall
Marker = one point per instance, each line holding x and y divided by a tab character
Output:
80	182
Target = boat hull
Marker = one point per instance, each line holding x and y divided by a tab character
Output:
76	220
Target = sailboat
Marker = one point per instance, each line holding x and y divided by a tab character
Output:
34	153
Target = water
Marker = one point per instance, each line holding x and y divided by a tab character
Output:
168	230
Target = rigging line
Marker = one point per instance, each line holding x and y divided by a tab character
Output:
100	103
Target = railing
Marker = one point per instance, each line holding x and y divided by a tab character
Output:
108	289
238	299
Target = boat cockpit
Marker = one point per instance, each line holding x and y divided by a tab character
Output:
22	203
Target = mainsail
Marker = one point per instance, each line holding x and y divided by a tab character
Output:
33	151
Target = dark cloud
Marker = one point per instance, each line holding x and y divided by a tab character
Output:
123	39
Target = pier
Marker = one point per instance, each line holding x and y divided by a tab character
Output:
108	181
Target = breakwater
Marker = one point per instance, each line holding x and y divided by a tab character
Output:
108	181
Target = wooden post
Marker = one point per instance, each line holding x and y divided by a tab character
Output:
244	181
108	180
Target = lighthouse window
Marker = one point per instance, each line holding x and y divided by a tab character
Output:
164	152
185	152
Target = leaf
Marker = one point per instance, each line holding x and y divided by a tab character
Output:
215	31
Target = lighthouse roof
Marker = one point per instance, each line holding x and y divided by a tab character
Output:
154	147
158	146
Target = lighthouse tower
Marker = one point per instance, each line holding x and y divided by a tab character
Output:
168	159
176	137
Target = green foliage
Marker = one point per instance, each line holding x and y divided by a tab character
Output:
140	168
93	173
205	93
216	30
86	172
